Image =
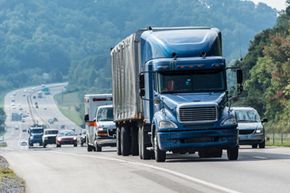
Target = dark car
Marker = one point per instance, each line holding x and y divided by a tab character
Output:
83	137
35	135
66	137
49	136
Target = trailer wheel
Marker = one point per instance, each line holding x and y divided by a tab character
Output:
143	152
233	153
89	148
125	141
118	132
134	141
98	148
160	155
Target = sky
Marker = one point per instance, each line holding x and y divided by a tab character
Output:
278	4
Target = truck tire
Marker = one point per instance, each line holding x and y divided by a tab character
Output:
143	152
160	155
262	145
44	145
125	141
118	132
255	146
89	148
98	148
134	141
233	153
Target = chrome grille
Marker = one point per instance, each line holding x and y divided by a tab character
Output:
198	114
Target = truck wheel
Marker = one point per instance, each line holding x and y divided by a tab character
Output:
76	144
134	141
255	146
58	145
118	132
44	145
125	141
98	148
262	145
143	152
233	153
160	156
89	148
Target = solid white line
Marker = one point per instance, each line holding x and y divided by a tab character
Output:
190	178
260	157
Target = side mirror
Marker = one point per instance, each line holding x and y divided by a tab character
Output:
239	76
86	118
264	120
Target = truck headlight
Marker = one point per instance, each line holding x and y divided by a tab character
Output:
167	124
75	138
229	121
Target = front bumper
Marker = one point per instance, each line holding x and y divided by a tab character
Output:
198	139
71	142
251	139
109	141
50	140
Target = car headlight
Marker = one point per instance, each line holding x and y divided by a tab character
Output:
31	137
167	124
58	139
229	121
75	138
100	129
259	130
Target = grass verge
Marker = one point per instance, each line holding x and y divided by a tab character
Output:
68	104
9	181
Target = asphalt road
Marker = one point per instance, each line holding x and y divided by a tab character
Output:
70	169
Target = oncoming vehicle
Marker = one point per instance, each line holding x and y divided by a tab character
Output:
83	137
66	137
105	134
251	130
49	136
35	135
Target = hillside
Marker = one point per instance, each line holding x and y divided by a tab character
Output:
51	41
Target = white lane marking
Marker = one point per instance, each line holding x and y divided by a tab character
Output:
260	157
190	178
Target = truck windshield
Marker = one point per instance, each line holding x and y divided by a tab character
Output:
36	131
191	81
105	114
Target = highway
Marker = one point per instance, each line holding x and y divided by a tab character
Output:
73	169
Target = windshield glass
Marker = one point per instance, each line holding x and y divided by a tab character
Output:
191	81
105	114
247	116
67	133
36	130
51	132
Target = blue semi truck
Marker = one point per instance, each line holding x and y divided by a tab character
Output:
170	93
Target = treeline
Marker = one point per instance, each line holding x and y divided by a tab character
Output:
267	73
51	41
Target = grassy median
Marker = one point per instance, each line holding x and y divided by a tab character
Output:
68	104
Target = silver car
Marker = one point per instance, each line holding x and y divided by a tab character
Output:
251	129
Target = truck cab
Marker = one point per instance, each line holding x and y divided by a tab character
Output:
35	135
